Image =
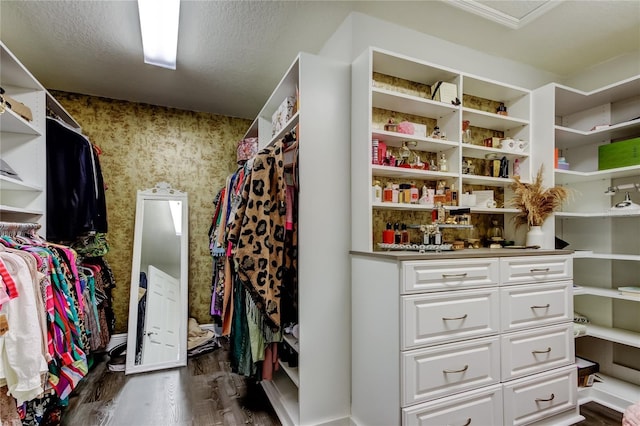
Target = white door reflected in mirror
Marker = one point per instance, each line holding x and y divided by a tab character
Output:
157	331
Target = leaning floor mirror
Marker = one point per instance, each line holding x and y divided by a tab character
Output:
157	331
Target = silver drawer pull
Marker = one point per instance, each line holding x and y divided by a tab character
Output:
546	399
456	318
466	367
540	306
539	270
463	275
467	423
542	352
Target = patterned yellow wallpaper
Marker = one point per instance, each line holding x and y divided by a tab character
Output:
141	146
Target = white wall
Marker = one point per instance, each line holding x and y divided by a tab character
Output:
605	73
360	31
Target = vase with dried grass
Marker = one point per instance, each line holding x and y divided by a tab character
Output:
536	203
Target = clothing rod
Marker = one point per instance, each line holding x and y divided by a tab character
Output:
14	227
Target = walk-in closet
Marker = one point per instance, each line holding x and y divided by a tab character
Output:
320	213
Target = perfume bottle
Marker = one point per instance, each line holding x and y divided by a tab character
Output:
442	163
377	192
387	234
404	235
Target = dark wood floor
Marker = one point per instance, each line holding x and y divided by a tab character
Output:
204	393
599	415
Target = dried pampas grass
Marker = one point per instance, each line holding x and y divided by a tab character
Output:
535	203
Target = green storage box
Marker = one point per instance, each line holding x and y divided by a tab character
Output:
619	154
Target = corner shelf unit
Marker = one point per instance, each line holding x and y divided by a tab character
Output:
23	143
396	86
606	240
318	390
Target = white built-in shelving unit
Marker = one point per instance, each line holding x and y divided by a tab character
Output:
23	143
317	391
606	240
367	96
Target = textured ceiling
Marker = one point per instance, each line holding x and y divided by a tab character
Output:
232	53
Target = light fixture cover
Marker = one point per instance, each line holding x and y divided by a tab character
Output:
159	28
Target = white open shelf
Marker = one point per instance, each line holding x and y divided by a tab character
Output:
476	151
11	209
611	256
402	173
422	143
409	104
489	120
567	137
487	180
572	176
616	335
18	185
610	392
283	395
11	122
604	292
607	213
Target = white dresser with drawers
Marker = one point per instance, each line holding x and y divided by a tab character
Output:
476	337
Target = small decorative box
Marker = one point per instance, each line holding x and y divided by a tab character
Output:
247	149
283	114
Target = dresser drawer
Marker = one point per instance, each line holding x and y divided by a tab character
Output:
421	276
534	398
434	318
477	407
533	305
533	351
530	269
446	369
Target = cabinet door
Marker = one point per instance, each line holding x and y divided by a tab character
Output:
538	397
535	305
433	318
447	369
421	276
477	407
532	351
533	269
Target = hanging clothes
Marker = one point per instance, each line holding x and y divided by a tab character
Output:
258	232
75	188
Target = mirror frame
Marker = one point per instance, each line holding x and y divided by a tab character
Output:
162	191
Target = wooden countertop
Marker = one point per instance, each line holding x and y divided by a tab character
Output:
401	255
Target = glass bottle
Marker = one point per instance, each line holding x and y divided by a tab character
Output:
496	233
415	194
396	233
404	235
377	192
442	163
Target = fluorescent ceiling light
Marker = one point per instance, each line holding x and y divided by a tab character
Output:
176	215
159	27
